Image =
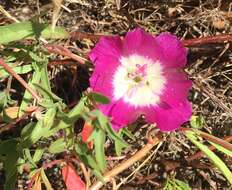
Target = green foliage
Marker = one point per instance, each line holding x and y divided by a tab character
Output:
99	138
193	137
58	146
98	98
52	117
175	184
222	149
29	29
9	156
19	70
196	122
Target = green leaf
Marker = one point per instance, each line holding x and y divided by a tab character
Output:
49	117
118	145
8	149
58	33
104	124
38	154
3	99
128	134
175	184
58	146
45	180
26	131
10	182
27	96
221	148
211	155
35	57
196	122
35	134
99	137
47	93
27	155
86	156
97	97
78	110
19	70
182	185
28	29
70	118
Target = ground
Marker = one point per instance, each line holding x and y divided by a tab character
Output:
209	67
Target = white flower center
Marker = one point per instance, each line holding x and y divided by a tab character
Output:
139	81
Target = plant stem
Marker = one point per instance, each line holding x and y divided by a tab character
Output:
126	164
189	42
209	137
208	40
20	79
199	154
65	52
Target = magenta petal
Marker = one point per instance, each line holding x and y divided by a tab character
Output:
106	54
121	113
107	46
102	84
173	52
173	108
169	118
141	43
176	88
105	57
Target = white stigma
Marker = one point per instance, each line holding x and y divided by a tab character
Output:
139	81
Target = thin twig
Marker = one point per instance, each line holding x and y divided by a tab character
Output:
199	154
20	79
222	142
141	165
47	165
126	164
65	52
222	38
12	124
216	140
7	14
82	35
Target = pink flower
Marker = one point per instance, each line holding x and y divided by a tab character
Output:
141	74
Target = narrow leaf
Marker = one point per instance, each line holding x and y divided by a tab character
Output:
211	155
99	138
97	97
28	29
58	146
19	70
221	148
45	180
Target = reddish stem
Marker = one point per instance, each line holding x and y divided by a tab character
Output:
62	62
224	143
52	163
199	154
64	51
10	125
216	140
82	35
126	164
189	42
20	79
208	40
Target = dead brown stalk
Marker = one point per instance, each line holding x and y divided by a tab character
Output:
126	164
